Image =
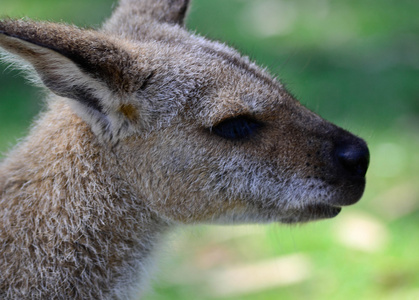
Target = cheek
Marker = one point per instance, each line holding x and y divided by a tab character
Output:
182	182
188	179
191	196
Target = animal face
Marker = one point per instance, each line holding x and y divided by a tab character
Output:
201	133
241	149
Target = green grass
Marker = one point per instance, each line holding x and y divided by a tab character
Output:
356	64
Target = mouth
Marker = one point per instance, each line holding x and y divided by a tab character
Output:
323	210
314	212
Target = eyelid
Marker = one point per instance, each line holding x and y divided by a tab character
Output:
237	128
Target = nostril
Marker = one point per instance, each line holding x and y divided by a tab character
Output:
354	158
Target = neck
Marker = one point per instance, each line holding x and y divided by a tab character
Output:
71	212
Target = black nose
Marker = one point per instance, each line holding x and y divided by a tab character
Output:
354	158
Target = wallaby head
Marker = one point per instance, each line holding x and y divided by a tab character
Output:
192	130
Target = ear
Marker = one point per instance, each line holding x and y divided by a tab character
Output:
87	67
164	11
135	16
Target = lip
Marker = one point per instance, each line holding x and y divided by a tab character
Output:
314	212
323	210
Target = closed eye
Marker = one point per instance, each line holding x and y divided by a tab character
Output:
237	128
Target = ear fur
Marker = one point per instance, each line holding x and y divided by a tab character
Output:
147	19
84	66
163	11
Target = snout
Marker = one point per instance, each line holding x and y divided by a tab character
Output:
349	159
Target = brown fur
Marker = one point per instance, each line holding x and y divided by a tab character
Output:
130	145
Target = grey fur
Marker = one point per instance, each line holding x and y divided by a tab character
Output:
127	149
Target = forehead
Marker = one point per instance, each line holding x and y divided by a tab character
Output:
236	86
221	83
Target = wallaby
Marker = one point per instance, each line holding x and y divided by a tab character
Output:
149	126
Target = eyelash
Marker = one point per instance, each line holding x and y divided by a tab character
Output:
237	128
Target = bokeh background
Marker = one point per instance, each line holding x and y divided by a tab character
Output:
354	62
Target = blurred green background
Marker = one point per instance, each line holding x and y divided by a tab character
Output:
354	62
